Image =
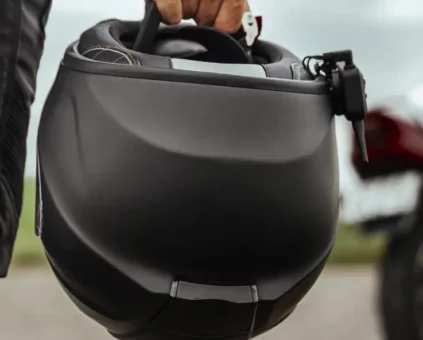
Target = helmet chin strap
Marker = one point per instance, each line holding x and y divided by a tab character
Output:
144	42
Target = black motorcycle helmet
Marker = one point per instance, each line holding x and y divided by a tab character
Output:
188	192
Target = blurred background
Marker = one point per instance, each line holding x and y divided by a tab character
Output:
385	36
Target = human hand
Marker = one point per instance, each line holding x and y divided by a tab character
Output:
224	15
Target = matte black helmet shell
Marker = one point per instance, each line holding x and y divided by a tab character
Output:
185	193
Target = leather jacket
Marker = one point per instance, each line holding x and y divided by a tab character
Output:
22	24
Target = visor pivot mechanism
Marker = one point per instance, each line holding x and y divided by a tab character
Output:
347	85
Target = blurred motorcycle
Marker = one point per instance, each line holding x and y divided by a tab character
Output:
395	148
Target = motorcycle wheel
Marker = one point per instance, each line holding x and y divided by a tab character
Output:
401	286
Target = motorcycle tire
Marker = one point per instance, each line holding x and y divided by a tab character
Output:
401	286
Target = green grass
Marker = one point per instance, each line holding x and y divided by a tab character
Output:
351	246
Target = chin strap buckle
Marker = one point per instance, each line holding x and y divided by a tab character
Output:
250	31
347	86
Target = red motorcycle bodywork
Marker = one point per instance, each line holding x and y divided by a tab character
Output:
394	146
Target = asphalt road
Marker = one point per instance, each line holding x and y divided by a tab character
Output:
340	306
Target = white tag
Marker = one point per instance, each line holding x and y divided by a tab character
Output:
250	25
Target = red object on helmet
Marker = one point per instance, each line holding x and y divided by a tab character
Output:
394	145
260	24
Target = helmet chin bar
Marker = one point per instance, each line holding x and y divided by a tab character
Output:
219	312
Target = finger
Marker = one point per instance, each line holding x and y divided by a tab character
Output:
170	11
189	8
230	15
207	12
247	7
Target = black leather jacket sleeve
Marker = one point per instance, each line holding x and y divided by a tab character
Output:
22	34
